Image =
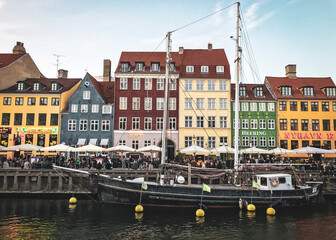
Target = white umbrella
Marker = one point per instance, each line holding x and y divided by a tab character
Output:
278	151
90	148
223	149
311	150
150	148
120	148
194	149
332	151
24	147
255	150
59	148
3	148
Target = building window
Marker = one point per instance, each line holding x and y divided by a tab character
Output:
262	123
245	106
20	86
188	85
234	140
200	122
95	108
253	107
72	124
105	125
246	141
187	141
334	106
159	123
211	103
223	122
284	144
5	119
160	84
330	91
254	141
304	125
123	103
136	123
271	124
147	143
294	125
325	106
199	85
53	119
294	144
94	126
42	119
314	106
155	67
148	123
172	104
55	101
83	125
326	145
122	142
271	107
305	143
219	69
262	141
245	124
19	101
139	66
283	124
189	69
18	119
271	141
30	119
254	123
159	103
172	67
135	144
36	87
74	108
172	84
54	86
222	85
315	125
125	67
84	108
308	91
136	83
304	106
223	141
107	109
43	101
334	124
123	83
326	125
262	107
200	141
286	91
211	122
211	142
136	103
148	103
32	101
148	84
282	106
188	103
86	94
204	69
293	106
200	103
211	85
172	123
242	91
259	92
316	144
223	103
7	101
188	121
122	123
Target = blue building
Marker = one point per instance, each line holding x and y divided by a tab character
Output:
88	117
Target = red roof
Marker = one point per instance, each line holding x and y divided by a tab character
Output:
8	58
104	89
297	84
250	88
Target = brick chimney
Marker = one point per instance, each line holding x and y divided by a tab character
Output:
107	70
209	46
181	50
291	71
19	48
62	73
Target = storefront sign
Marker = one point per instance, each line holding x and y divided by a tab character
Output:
254	133
39	130
308	135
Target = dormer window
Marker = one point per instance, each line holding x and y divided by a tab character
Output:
330	91
204	69
172	67
54	86
242	91
219	69
139	66
259	92
125	67
155	67
308	91
286	91
20	86
189	69
36	86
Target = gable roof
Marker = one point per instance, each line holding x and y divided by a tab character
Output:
297	83
104	89
8	58
250	94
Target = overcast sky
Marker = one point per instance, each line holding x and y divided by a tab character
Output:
301	32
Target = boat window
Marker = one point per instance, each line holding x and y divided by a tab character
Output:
282	180
263	181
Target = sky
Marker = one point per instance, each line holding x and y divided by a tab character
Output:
86	32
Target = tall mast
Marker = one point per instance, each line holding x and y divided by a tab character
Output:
236	161
165	103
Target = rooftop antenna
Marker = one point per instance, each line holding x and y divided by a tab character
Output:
57	62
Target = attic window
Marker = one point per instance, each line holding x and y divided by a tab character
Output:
259	92
189	69
286	91
172	67
125	67
139	66
242	91
204	69
219	69
330	91
155	67
36	86
308	91
54	86
20	86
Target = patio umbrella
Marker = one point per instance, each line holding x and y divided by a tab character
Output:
59	148
278	151
24	147
150	148
332	151
223	149
311	150
120	148
3	148
90	148
194	149
253	150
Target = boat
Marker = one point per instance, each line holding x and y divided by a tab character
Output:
275	189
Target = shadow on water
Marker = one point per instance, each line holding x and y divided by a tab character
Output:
56	219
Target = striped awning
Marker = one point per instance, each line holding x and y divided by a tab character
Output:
93	141
104	142
81	141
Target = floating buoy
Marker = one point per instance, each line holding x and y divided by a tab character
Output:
251	208
270	211
138	215
251	214
200	213
270	219
72	206
138	208
200	219
73	200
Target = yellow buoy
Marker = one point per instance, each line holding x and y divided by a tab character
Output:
138	215
270	211
200	213
200	219
251	208
138	208
73	200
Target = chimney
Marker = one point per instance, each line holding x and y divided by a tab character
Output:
19	49
291	71
181	50
209	46
62	73
107	70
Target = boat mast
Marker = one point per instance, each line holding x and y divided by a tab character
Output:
236	161
165	103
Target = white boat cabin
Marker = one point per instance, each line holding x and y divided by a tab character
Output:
275	181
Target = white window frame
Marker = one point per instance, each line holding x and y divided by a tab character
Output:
159	103
83	125
74	108
271	107
36	87
211	122
253	107
254	141
262	142
188	85
188	103
135	103
159	123
122	123
246	141
199	103
84	108
200	122
211	85
172	123
159	84
245	123
204	69
148	123
211	142
189	69
219	69
94	125
172	84
254	123
86	94
262	107
136	83
123	83
135	123
271	141
271	124
223	122
107	109
122	103
172	103
95	108
72	125
105	125
262	123
223	103
245	106
222	85
188	121
211	103
148	84
148	103
199	84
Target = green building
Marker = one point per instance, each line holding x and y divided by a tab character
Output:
257	117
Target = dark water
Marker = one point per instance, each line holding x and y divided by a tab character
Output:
54	219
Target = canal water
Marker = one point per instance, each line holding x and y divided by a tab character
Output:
55	219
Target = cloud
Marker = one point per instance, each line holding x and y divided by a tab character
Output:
252	18
2	3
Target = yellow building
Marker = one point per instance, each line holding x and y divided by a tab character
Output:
306	110
31	111
204	98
